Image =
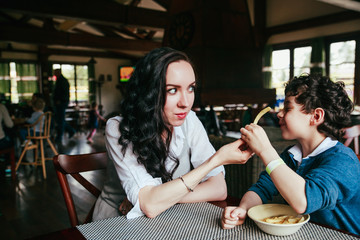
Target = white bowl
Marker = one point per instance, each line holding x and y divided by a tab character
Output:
259	212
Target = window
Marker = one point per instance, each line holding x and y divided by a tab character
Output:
78	78
342	64
18	81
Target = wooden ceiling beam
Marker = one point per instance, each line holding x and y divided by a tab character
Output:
68	24
164	3
83	53
314	22
100	12
41	36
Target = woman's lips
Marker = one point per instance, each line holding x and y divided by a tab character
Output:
181	115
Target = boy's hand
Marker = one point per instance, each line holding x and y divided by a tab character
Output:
232	216
256	138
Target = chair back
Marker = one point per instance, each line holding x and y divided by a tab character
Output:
352	134
74	165
44	123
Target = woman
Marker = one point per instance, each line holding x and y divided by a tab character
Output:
5	141
158	140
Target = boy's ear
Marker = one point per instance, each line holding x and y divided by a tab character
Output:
318	116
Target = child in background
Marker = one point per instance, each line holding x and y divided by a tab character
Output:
93	123
38	107
317	176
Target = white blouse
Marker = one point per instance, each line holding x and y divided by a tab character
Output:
133	176
4	116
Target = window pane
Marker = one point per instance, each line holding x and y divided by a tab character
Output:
280	71
302	60
13	77
342	64
82	83
69	72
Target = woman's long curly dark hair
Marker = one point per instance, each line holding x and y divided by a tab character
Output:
315	91
144	124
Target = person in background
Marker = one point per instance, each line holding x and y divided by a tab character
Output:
94	117
5	141
38	106
35	96
61	98
317	176
159	152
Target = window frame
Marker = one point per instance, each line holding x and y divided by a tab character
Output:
75	64
327	41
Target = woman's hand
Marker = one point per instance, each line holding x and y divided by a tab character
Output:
232	153
232	216
125	206
256	138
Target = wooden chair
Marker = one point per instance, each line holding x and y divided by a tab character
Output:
74	165
36	142
352	134
11	153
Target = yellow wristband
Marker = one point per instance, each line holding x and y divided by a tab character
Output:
274	164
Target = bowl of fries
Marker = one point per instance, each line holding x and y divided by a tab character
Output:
277	219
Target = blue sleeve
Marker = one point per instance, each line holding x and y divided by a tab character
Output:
334	179
264	187
34	116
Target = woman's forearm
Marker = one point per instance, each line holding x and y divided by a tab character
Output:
213	189
156	199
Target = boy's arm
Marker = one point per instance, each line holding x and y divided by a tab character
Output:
32	118
290	185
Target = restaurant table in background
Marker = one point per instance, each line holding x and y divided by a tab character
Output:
186	221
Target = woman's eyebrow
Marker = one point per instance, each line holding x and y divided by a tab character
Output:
175	85
172	85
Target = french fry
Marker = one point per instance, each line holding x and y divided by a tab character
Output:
261	113
284	219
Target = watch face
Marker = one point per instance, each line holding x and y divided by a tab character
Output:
181	31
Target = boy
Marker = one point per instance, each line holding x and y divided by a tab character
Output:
38	107
318	175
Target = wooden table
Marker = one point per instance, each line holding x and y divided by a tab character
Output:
193	220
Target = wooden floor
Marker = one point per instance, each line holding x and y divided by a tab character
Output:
32	206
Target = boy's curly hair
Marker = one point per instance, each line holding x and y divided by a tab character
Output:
316	91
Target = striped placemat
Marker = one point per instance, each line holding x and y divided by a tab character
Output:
192	221
308	231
